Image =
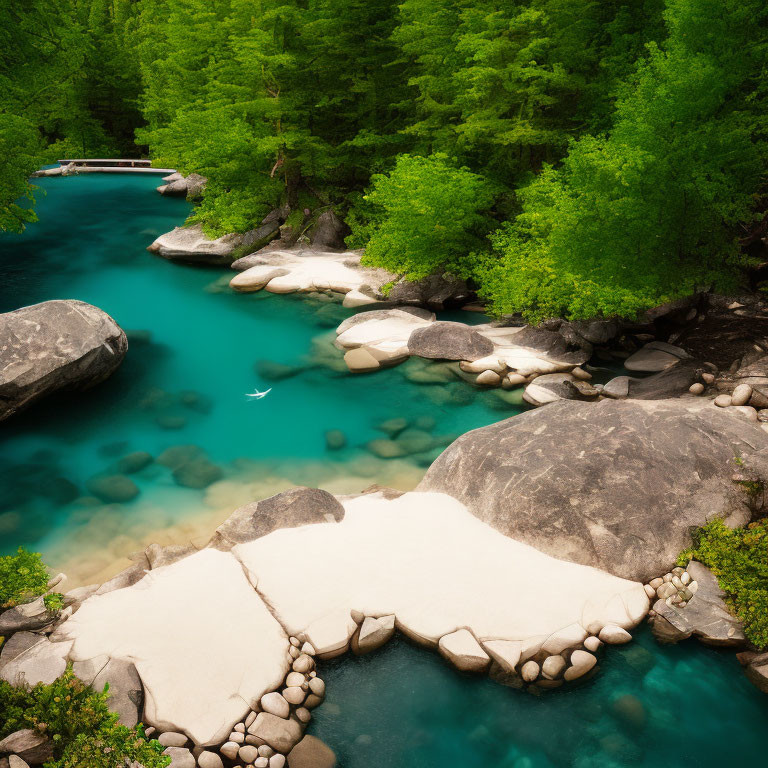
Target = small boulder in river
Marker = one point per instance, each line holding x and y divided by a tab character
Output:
53	346
638	474
113	488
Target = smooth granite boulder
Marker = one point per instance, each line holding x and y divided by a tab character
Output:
290	509
61	344
191	244
449	341
615	484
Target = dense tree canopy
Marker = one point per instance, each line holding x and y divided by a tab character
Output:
574	157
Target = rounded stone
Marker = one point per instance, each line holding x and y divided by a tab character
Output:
294	641
230	750
266	751
581	663
741	394
295	679
593	643
529	671
696	389
312	701
708	378
723	401
489	379
303	664
294	695
261	762
553	667
614	635
209	760
172	739
248	753
317	686
275	704
277	761
303	714
581	374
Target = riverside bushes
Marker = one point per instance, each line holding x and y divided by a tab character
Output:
23	577
577	159
739	559
76	719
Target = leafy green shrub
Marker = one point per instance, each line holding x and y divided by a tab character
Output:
23	576
423	217
54	602
739	559
83	731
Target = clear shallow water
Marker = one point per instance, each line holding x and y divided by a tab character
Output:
193	354
404	707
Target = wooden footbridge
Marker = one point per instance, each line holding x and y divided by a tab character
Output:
112	165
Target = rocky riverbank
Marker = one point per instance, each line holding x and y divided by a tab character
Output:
192	681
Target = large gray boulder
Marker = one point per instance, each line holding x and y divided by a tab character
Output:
449	341
290	509
52	346
706	616
613	484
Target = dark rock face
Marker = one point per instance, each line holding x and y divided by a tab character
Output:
290	509
30	745
755	668
449	341
126	693
706	615
328	232
52	346
436	292
613	484
672	382
575	349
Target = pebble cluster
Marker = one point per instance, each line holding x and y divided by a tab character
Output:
539	664
675	588
747	401
269	731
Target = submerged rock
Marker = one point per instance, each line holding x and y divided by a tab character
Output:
53	346
310	752
113	488
638	476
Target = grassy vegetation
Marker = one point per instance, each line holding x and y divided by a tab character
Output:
82	730
739	559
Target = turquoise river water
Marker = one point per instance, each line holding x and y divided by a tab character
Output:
195	349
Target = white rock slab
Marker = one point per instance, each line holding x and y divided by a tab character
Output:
204	643
463	651
424	558
306	271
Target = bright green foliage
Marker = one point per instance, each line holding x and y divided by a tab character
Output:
77	720
739	559
650	211
23	576
68	86
425	216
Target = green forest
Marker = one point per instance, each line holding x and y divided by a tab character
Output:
573	158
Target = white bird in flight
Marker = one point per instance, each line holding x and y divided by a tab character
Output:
258	395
